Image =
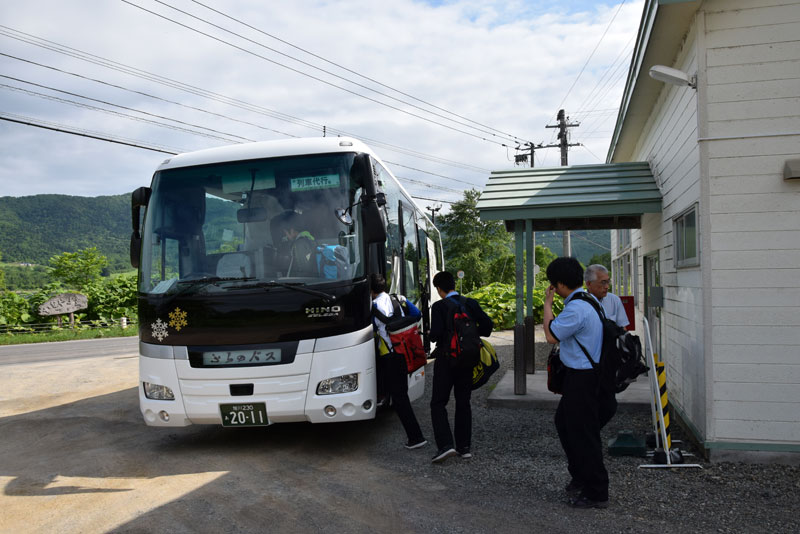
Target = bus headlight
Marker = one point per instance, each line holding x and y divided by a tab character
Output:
338	384
157	392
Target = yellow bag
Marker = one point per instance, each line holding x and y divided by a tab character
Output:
486	366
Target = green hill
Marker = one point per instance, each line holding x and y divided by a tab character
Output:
35	228
585	243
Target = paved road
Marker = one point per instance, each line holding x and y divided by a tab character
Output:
67	350
75	457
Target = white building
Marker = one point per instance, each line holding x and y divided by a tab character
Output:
702	189
724	252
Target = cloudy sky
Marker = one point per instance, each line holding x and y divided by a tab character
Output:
443	90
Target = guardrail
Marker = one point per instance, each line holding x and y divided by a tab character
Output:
36	328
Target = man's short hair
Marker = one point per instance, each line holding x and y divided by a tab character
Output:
377	283
567	271
592	271
444	281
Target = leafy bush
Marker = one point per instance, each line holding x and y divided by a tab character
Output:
14	309
111	298
499	301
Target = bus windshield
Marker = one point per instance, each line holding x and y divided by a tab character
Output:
257	222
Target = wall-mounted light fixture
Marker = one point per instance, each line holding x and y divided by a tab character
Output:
672	76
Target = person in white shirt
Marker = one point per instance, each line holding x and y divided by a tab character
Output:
597	283
392	368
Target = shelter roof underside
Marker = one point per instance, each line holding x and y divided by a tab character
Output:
572	198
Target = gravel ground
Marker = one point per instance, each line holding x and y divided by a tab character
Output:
518	473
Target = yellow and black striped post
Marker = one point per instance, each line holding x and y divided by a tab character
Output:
663	403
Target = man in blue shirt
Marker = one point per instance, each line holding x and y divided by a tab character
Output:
578	416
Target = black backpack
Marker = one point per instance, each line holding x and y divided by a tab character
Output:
465	341
621	358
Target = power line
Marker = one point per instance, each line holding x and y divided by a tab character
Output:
579	236
120	114
112	139
132	71
312	76
82	133
434	200
481	128
590	55
430	186
350	70
142	93
42	95
431	173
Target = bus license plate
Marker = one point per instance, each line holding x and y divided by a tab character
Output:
244	414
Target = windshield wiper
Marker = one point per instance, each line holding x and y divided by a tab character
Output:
199	283
298	286
214	279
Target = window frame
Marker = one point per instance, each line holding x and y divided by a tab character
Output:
679	238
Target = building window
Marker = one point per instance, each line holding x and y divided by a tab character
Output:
685	235
623	239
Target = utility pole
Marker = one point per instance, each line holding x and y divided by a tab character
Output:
522	158
564	144
433	211
562	135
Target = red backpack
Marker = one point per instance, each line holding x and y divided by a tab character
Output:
404	333
465	341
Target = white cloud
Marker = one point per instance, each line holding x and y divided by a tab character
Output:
507	65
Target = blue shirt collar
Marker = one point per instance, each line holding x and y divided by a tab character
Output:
579	290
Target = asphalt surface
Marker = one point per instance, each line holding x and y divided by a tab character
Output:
75	456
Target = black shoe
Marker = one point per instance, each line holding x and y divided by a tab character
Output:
584	502
416	444
444	454
573	488
464	452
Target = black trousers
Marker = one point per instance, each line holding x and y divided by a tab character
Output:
447	378
393	373
580	415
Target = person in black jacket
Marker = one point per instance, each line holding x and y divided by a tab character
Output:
447	375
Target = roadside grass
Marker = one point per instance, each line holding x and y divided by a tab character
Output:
67	334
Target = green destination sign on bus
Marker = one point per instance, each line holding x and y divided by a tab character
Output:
309	183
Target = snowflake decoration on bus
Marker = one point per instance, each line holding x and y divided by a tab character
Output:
177	319
159	329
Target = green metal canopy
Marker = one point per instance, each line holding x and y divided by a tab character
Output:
580	197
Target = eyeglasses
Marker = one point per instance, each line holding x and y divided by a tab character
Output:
601	282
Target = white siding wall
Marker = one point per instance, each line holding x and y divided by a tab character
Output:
753	90
669	143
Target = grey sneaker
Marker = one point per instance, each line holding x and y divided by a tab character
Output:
444	454
416	445
464	452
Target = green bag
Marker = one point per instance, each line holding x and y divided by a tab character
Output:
486	366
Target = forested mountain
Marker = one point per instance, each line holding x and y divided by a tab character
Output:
35	228
585	243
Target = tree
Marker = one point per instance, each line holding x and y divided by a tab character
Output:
2	276
470	244
602	259
78	269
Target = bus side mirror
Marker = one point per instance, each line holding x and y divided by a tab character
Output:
139	198
373	226
361	173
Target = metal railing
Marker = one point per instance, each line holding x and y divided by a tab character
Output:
38	328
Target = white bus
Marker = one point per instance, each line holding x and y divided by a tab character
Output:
231	331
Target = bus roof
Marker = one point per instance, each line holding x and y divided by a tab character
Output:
266	149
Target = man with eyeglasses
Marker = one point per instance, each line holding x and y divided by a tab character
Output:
597	283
